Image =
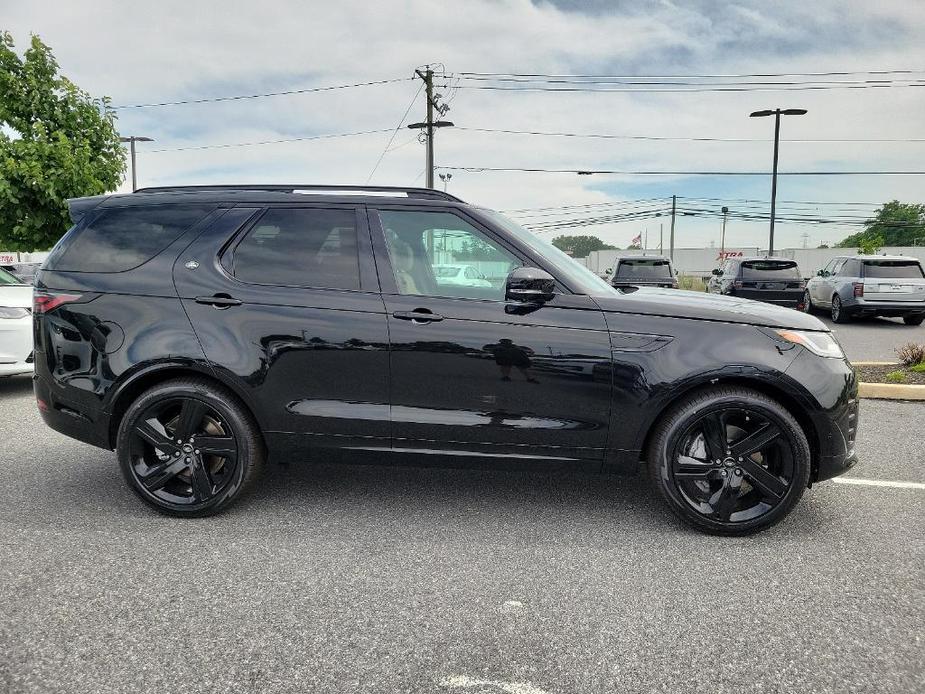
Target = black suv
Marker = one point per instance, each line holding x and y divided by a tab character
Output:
643	271
774	280
199	330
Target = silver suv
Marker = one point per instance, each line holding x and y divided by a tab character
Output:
869	285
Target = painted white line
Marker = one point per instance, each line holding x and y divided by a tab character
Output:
463	682
879	483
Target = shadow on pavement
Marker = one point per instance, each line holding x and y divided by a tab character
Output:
15	385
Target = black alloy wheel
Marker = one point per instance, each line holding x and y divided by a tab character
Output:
188	448
730	461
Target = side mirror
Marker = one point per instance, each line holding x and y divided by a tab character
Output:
821	273
676	273
717	271
529	285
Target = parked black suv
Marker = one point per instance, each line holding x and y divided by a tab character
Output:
643	271
773	280
198	330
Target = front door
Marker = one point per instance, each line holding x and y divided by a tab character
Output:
286	303
472	373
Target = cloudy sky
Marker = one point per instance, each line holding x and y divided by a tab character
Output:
144	53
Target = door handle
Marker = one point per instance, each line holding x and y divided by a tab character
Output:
418	315
218	301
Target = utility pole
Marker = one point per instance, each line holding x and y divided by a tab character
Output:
722	243
132	139
674	206
430	124
661	238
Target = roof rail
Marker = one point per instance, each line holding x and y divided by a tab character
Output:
425	193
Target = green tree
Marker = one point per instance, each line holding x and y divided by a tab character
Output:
580	246
895	224
870	244
56	142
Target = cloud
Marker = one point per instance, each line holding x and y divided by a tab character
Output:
142	52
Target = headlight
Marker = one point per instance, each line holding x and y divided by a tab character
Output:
823	344
13	312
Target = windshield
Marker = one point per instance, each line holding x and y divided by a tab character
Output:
578	277
7	278
892	268
769	269
641	269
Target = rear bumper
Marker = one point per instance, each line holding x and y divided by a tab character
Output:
883	308
90	427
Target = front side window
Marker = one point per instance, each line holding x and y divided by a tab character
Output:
296	247
441	254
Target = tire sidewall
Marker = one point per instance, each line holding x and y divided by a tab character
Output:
677	421
232	416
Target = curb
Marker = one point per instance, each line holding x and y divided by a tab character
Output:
888	391
891	391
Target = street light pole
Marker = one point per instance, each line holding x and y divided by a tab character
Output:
132	139
777	113
722	243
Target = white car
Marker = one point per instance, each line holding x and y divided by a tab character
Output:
460	276
15	326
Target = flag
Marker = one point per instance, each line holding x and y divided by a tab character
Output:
637	240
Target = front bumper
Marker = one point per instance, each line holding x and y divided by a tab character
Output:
833	386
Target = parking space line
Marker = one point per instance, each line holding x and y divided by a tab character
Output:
879	483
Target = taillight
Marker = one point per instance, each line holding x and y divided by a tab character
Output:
859	289
43	302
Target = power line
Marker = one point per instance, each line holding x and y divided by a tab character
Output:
589	172
240	97
395	132
226	145
606	136
718	76
800	88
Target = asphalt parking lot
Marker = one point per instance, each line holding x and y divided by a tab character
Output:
874	339
364	579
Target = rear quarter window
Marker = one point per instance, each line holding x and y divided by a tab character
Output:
122	238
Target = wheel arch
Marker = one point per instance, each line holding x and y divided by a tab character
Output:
141	381
788	401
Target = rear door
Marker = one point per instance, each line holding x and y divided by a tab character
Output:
893	280
472	373
286	304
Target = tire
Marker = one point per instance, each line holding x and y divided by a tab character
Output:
839	315
707	495
808	302
913	320
188	447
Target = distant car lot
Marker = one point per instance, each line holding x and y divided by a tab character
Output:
874	339
380	579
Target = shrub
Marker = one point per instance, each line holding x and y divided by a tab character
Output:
918	368
896	377
911	353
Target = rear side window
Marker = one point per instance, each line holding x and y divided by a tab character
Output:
893	268
769	269
122	238
644	268
300	248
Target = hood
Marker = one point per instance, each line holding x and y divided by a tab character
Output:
678	303
16	296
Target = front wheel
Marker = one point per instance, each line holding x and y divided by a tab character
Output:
913	320
188	448
838	312
729	461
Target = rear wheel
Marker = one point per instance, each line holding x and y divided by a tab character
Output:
808	302
729	461
913	320
838	312
188	448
